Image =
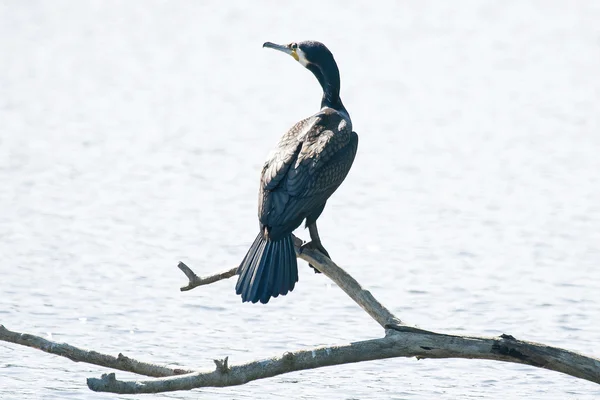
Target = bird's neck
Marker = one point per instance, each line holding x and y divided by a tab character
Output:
332	100
329	78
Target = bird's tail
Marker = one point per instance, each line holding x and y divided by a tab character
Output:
269	269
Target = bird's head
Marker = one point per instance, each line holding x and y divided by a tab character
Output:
308	52
316	57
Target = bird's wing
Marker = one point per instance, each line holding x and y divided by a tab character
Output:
281	158
306	176
320	162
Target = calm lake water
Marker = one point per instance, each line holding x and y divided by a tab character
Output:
132	135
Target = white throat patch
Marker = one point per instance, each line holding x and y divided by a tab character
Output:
301	57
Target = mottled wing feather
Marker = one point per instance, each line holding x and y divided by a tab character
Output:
316	190
311	171
296	182
280	159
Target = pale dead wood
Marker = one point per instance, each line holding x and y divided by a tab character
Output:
195	280
400	341
347	283
407	344
76	354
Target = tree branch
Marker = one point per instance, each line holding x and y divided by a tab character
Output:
76	354
195	280
407	344
400	341
347	283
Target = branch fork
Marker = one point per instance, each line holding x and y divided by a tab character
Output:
400	340
222	366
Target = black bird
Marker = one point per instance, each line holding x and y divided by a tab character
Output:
310	162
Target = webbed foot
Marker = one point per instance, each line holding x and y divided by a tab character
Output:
315	245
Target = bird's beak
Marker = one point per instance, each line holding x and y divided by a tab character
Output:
285	49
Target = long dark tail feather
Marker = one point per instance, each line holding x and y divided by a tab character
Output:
269	269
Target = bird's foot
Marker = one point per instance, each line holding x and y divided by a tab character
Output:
315	245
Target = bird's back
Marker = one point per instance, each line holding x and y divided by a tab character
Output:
308	165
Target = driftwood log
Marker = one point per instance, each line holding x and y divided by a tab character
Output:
400	340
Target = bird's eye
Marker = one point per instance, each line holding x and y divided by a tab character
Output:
293	45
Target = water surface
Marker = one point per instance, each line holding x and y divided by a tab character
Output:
132	135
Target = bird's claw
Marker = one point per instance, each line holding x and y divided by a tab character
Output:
315	245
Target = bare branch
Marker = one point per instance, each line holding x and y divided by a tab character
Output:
347	283
400	341
196	281
73	353
407	344
222	365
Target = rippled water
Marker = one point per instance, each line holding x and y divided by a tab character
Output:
132	134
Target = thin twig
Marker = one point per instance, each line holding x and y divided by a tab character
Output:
195	280
76	354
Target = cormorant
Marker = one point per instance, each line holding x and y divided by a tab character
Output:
310	162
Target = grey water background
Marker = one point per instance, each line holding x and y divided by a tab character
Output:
132	135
